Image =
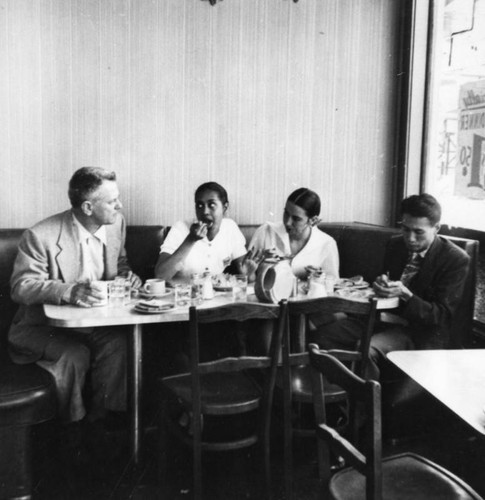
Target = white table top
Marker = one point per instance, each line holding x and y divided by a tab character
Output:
454	377
68	316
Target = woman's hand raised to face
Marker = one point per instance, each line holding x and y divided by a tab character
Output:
198	230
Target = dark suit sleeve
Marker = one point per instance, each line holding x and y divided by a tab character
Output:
435	303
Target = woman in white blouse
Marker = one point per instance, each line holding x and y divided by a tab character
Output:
210	244
298	238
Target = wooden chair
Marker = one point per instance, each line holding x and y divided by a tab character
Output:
223	387
297	383
372	478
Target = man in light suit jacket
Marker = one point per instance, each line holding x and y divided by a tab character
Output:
426	272
59	261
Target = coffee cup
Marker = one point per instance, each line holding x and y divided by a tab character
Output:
102	287
154	286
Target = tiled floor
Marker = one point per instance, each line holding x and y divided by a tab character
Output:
234	475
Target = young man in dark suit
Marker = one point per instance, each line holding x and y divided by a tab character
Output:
426	272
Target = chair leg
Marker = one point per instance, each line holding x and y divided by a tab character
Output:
197	459
265	448
288	449
163	446
323	462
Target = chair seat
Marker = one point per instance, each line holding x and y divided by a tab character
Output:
301	386
405	476
27	394
221	394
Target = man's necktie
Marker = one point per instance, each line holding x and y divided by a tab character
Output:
411	269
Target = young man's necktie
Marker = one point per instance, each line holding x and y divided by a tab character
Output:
411	269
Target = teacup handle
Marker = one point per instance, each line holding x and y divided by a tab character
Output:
146	287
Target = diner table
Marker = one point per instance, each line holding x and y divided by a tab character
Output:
456	377
69	316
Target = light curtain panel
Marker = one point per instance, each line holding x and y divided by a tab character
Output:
263	96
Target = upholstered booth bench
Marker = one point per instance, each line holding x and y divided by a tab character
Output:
27	395
26	392
361	249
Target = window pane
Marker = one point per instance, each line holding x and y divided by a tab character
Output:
455	150
455	128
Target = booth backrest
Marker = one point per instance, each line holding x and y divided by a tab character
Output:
143	246
9	241
361	249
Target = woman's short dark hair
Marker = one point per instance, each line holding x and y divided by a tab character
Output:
86	180
307	199
213	186
422	205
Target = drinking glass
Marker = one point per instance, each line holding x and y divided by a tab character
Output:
117	292
127	298
197	284
183	294
240	288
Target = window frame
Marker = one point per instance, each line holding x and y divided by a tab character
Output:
414	83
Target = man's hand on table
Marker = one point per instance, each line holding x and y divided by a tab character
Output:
134	280
87	294
386	288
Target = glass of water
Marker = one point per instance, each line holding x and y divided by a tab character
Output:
197	284
240	288
127	298
117	292
183	294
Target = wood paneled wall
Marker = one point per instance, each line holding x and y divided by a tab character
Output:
263	96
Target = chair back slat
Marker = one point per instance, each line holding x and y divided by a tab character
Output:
343	447
328	305
331	305
235	364
297	313
236	312
337	373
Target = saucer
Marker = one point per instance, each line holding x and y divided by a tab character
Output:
355	294
346	283
146	295
153	309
